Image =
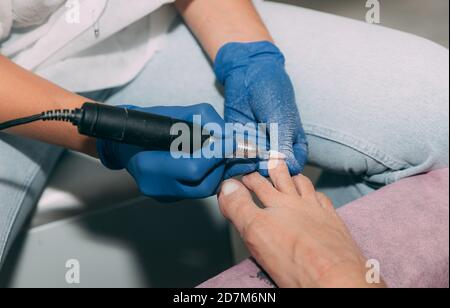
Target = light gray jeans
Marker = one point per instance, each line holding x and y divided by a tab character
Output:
374	103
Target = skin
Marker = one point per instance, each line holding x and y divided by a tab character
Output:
298	238
22	93
217	22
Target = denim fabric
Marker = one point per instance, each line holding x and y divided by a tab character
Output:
374	105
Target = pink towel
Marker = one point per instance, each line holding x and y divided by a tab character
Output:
404	226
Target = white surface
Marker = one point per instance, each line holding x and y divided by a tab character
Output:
120	238
137	244
81	185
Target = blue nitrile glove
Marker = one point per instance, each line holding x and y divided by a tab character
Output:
258	90
158	174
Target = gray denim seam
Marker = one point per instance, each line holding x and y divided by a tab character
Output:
359	145
18	199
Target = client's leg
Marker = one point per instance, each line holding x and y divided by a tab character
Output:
374	101
25	166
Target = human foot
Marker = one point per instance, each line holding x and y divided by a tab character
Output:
298	238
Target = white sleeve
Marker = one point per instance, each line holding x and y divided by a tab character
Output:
5	18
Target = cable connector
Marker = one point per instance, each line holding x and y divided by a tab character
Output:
65	115
62	115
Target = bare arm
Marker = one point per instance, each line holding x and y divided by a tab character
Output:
23	94
217	22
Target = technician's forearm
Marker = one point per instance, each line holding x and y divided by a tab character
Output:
217	22
23	94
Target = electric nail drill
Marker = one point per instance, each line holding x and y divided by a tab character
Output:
146	130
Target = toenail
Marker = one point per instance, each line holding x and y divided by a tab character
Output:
273	164
277	155
229	187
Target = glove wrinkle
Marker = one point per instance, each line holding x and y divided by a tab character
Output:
158	174
259	90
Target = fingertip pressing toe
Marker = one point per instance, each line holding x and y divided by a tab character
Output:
276	155
273	164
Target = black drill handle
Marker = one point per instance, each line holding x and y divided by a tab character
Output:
147	130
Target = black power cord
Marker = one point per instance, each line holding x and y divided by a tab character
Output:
72	116
150	131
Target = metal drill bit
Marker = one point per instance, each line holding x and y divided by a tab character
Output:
249	150
246	150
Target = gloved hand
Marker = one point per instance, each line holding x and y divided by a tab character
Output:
258	90
159	174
